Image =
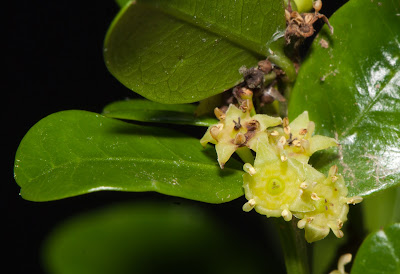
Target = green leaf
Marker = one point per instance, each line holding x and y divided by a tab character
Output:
379	253
381	209
150	238
148	111
351	90
75	152
182	51
122	3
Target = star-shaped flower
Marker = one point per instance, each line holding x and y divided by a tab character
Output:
236	129
295	140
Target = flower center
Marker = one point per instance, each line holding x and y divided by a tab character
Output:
275	186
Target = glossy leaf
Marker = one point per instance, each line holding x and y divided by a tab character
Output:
352	91
75	152
149	111
182	51
151	238
379	253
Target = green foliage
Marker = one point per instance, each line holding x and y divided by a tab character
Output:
351	90
148	111
178	51
75	152
380	252
184	51
149	238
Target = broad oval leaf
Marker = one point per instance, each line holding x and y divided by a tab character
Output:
149	111
182	51
75	152
352	91
151	238
379	253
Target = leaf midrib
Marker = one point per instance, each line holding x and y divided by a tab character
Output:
77	161
242	42
365	111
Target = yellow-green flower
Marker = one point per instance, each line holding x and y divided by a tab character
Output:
295	140
330	202
236	129
274	186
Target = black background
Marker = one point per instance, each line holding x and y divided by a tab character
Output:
52	57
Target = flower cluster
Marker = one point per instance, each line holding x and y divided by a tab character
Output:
281	183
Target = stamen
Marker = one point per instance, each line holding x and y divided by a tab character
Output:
274	133
219	114
249	169
303	185
287	215
249	205
240	139
354	200
314	196
301	224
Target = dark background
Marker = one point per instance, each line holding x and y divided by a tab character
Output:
53	61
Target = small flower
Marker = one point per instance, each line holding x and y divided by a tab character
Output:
237	128
330	202
272	185
295	140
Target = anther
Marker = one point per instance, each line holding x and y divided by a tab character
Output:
303	131
333	170
287	215
303	185
249	169
339	234
301	224
215	130
219	114
354	200
240	139
339	224
286	130
285	122
283	158
249	205
252	125
296	143
310	219
274	133
282	141
314	196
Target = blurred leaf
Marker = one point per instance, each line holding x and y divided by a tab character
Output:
149	238
75	152
379	253
148	111
324	252
122	3
381	209
182	51
352	90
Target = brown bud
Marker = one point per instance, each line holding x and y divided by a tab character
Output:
265	66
